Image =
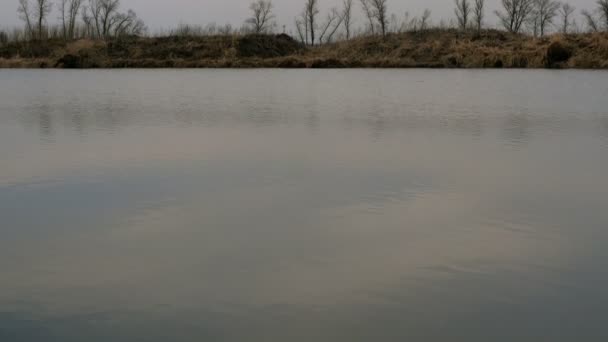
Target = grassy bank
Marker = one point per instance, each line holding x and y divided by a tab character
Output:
433	48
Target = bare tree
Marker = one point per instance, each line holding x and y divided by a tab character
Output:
95	16
26	15
408	24
478	14
105	20
369	14
515	14
332	16
129	24
311	10
347	14
103	14
591	20
63	17
378	10
261	16
425	20
331	26
68	10
42	10
603	9
73	10
302	29
108	11
566	11
462	11
543	14
87	21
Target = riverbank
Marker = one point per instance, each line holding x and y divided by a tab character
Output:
428	49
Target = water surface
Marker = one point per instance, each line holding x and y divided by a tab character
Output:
275	205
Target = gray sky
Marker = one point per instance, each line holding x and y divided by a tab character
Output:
168	13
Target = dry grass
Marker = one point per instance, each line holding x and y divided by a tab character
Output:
430	49
25	63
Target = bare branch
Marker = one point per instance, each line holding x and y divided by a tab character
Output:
25	15
543	13
591	20
369	14
311	10
478	13
515	13
261	16
376	10
347	14
425	20
566	12
462	11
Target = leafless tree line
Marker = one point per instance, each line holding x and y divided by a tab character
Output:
539	15
516	16
102	19
99	19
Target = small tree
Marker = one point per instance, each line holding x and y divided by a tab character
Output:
515	13
369	14
380	10
347	14
603	9
566	11
592	21
108	10
261	16
43	8
87	22
425	20
478	14
104	19
311	10
462	11
25	14
544	12
73	9
128	24
302	28
331	25
102	13
63	17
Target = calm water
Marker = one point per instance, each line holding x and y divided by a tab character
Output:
303	205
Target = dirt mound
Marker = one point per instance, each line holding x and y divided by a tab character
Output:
267	46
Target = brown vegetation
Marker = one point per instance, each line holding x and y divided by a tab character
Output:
431	48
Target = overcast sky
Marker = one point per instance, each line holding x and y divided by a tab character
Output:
168	13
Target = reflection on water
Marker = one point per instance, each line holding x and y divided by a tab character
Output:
303	206
516	128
